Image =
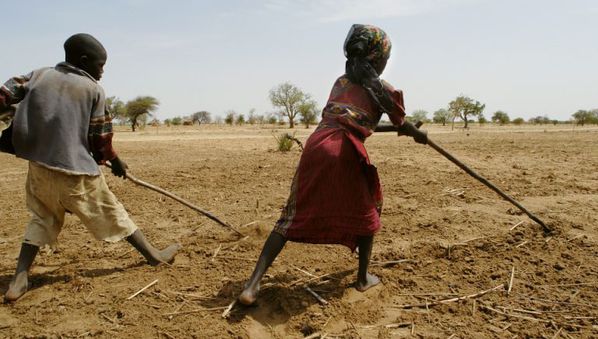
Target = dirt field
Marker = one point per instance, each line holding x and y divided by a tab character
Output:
452	236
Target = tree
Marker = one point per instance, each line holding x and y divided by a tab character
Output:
540	120
167	122
419	115
518	121
280	115
482	119
139	109
500	117
240	119
463	106
251	118
201	117
176	121
441	116
117	109
288	97
271	118
583	117
229	118
308	112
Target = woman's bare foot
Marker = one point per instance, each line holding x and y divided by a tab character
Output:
369	282
249	295
166	255
17	287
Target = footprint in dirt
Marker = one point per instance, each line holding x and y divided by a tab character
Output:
265	320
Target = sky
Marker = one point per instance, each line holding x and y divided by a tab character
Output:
524	57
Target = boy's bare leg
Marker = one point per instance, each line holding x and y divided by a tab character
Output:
271	249
20	282
153	255
365	280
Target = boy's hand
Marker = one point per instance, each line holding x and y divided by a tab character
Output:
119	167
418	135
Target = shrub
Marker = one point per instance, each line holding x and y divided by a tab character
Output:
230	117
285	142
500	117
518	121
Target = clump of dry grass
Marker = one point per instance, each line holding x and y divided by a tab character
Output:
284	142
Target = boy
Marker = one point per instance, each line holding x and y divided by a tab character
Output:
62	128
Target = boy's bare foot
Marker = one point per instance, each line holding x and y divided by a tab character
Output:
249	295
17	287
166	255
370	281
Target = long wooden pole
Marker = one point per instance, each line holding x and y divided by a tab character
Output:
488	184
179	199
471	172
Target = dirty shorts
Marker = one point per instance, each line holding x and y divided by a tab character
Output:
51	193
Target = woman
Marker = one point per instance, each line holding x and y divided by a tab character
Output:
335	195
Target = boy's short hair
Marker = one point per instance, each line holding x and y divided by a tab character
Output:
82	44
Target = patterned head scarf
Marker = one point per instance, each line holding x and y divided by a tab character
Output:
366	47
367	41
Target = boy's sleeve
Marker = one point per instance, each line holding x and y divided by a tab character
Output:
13	91
100	131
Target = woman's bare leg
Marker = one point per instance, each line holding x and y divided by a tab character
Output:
365	280
271	249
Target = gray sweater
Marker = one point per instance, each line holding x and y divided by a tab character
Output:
51	124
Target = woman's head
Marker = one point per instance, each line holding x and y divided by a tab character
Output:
368	43
367	49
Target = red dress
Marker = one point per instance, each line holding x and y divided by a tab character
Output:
335	195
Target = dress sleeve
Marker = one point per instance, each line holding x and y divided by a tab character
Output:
100	131
13	91
397	116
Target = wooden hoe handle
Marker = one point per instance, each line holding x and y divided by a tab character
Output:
180	200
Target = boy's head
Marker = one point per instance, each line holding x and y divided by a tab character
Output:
86	52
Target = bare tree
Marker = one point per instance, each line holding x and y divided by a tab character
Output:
201	117
251	117
288	97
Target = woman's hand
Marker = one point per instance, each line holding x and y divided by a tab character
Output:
420	136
